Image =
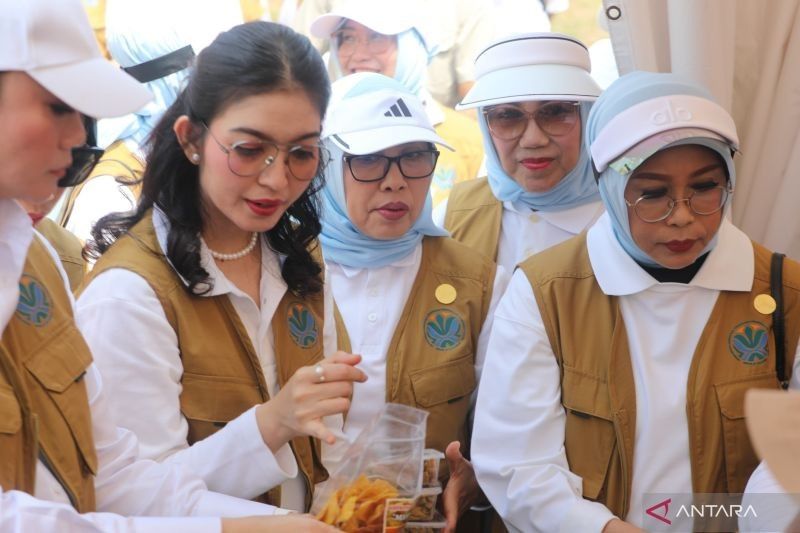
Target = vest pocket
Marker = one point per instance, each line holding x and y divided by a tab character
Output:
446	382
10	414
59	366
210	402
740	458
588	419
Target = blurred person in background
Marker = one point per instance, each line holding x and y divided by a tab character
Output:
382	36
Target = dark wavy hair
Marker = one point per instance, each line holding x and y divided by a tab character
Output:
250	59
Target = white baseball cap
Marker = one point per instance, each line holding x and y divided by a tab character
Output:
370	112
531	66
386	17
52	42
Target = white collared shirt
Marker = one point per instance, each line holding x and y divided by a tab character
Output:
524	232
123	484
371	301
518	439
146	375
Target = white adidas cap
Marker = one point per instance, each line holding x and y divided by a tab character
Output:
531	66
386	17
52	42
370	112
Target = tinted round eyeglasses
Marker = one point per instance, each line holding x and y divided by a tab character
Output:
508	122
657	206
374	167
249	158
347	42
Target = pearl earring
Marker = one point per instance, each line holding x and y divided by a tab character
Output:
195	157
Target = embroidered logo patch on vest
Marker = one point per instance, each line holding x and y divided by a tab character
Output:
302	325
748	342
34	306
444	329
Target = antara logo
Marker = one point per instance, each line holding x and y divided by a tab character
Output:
712	511
653	511
670	113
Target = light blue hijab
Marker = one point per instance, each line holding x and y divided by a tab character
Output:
342	242
133	37
578	187
625	92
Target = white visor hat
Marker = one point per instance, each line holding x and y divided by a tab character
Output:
370	112
387	18
635	134
52	42
531	66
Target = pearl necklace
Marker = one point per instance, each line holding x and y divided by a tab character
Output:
236	255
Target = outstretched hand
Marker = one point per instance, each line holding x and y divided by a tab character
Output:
462	490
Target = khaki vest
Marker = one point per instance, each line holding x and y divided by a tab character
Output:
474	216
597	386
430	363
69	248
118	161
218	389
44	408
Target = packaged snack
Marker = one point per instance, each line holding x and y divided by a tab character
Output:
430	467
434	525
425	507
384	463
396	514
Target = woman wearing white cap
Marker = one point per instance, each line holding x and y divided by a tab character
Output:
216	265
65	465
381	36
533	93
618	362
415	304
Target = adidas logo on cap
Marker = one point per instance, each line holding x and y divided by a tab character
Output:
399	109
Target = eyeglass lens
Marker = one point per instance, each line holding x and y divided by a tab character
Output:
374	167
702	202
555	118
347	42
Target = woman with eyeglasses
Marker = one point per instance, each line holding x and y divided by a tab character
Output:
207	303
533	93
414	303
614	382
384	37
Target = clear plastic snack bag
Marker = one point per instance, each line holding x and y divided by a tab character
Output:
384	462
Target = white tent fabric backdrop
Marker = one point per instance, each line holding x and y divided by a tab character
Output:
748	54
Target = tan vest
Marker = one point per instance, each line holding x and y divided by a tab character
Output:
44	408
597	385
474	216
69	248
117	161
218	389
430	363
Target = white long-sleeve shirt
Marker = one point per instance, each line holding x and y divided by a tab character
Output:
518	437
146	376
124	484
371	301
524	232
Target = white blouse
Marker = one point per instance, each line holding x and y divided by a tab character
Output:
145	372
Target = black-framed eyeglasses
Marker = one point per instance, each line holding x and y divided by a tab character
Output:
655	207
374	167
508	122
84	159
347	42
249	158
